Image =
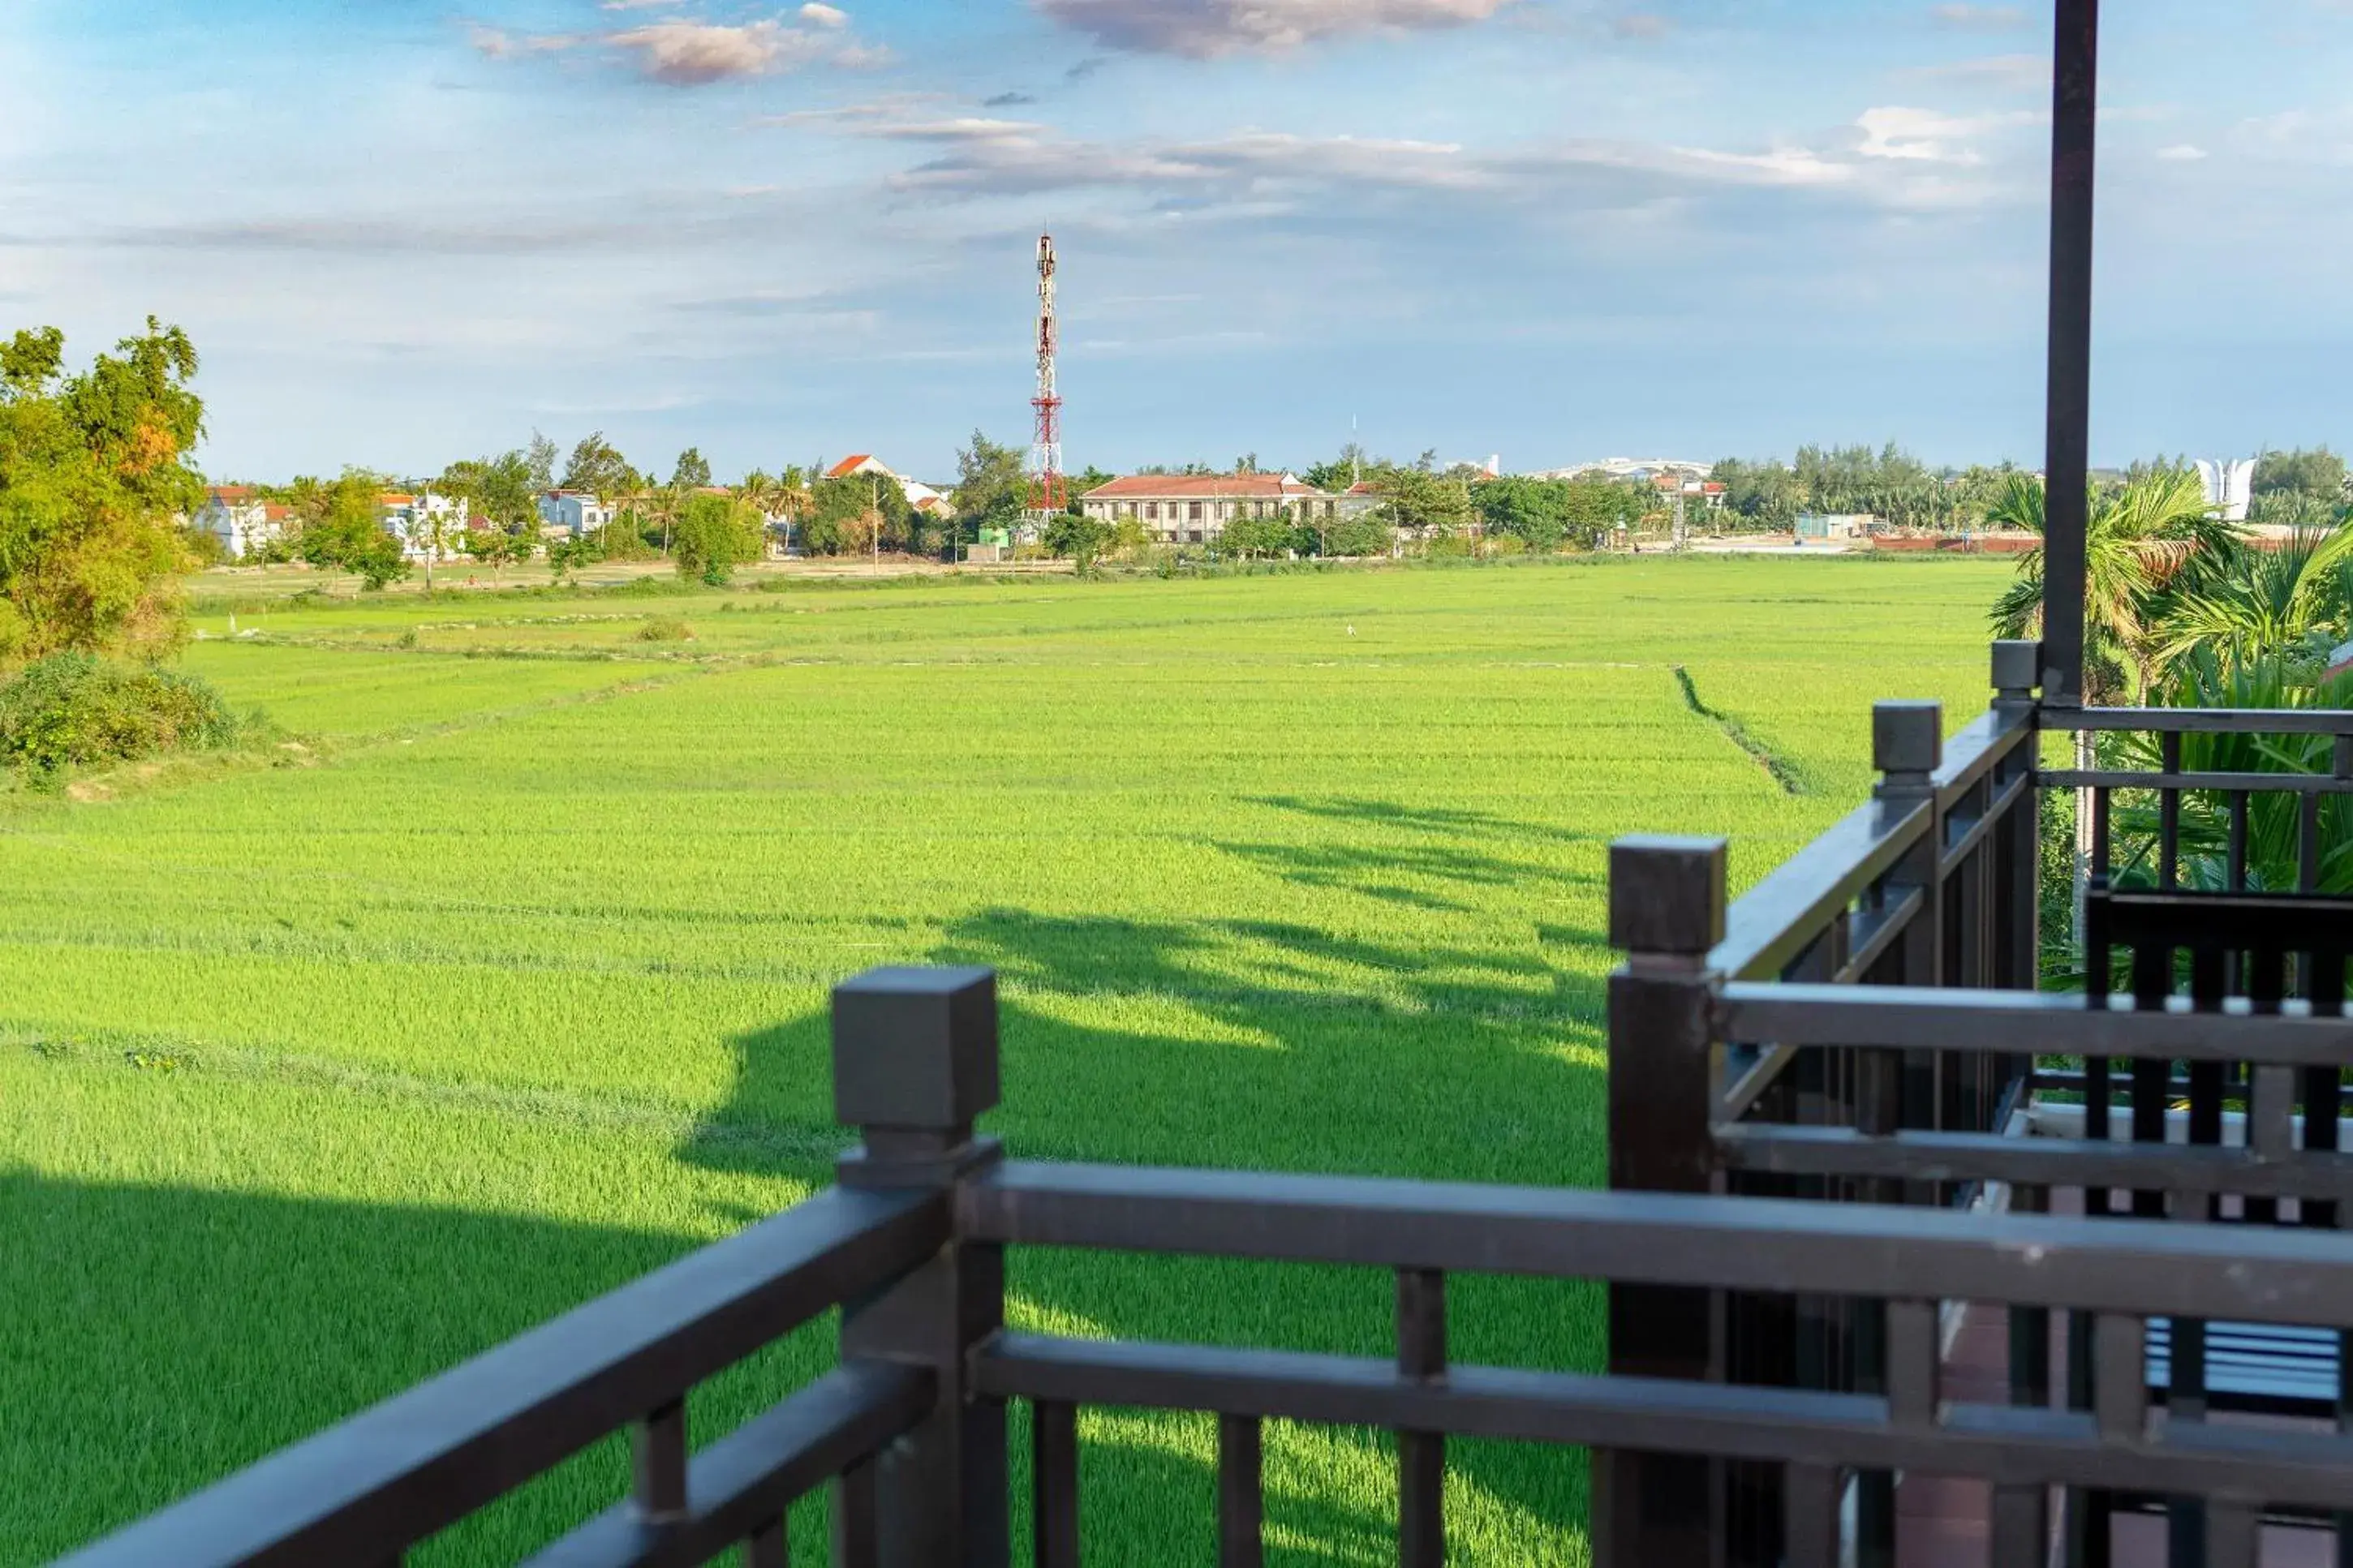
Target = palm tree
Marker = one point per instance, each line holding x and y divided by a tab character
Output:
2138	539
2255	604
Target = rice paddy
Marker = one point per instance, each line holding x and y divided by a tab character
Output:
503	979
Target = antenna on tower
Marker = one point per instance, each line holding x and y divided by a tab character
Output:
1046	447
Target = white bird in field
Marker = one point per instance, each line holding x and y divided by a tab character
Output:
1352	631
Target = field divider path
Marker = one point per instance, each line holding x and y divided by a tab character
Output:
1781	770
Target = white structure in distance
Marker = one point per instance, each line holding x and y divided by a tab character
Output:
2229	485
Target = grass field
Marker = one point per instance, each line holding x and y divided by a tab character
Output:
506	981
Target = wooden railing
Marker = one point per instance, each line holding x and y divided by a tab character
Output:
1863	1028
910	1429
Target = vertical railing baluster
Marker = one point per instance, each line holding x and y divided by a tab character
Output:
1666	911
1810	1516
1421	1456
770	1546
2169	815
1241	1492
1054	1482
914	1063
857	1532
657	1464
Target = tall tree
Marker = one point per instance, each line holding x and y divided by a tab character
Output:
541	457
93	469
598	469
691	472
992	487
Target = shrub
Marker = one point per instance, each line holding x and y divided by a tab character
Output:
665	629
76	710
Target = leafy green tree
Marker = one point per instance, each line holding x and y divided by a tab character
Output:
540	458
1363	535
1535	511
1081	539
992	488
1259	536
565	557
693	473
1430	504
715	534
2254	604
598	469
856	512
2317	472
343	526
93	469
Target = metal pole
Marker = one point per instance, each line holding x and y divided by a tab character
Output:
2074	89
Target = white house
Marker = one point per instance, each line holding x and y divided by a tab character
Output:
920	496
576	512
243	522
1194	508
414	520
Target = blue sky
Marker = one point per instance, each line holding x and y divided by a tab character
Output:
403	231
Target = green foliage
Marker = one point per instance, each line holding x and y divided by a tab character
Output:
665	628
501	493
1080	539
1248	537
76	710
598	469
2140	539
991	488
2209	679
565	557
715	534
343	527
1430	504
693	470
844	514
1363	535
93	470
2317	474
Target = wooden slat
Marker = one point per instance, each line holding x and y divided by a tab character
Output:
1241	1492
1054	1482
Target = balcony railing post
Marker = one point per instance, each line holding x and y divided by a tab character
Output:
1666	909
2017	668
914	1063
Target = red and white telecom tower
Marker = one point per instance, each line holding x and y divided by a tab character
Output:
1048	491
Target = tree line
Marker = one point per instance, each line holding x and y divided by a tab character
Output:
2290	487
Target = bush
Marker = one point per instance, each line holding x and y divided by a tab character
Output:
665	629
76	710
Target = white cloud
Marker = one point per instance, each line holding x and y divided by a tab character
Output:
2182	154
693	54
1980	18
1923	135
681	53
2013	72
497	43
1202	29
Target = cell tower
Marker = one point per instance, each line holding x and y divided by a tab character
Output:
1046	447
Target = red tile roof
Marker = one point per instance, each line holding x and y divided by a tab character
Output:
232	494
1160	487
849	465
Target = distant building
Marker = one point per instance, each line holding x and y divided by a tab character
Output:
920	496
245	524
1837	525
2229	485
575	513
1642	470
412	520
1194	508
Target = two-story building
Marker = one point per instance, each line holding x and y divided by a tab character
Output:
245	524
1194	508
419	521
575	513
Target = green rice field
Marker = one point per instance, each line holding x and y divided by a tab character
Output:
499	977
